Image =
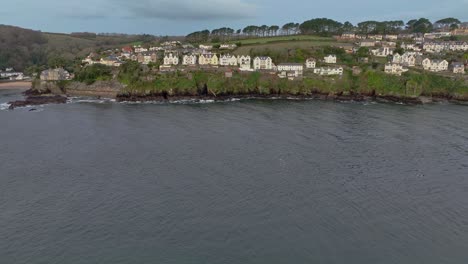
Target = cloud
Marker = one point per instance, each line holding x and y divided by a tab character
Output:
190	9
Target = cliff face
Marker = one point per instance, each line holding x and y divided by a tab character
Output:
107	89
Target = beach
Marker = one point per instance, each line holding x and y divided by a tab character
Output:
15	85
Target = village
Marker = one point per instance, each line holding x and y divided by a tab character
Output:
400	53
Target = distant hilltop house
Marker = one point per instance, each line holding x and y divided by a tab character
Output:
382	52
58	74
263	63
367	43
228	60
311	63
228	46
394	69
245	62
208	59
171	59
458	68
189	60
330	59
375	37
139	49
435	65
127	49
410	46
348	35
206	47
391	37
10	73
329	71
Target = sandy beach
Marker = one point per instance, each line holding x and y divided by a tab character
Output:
15	85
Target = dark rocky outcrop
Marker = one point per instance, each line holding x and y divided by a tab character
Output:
38	100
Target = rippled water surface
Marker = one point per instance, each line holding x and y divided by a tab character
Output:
237	182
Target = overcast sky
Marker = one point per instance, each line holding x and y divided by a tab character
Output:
179	17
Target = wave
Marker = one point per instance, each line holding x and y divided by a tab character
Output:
4	106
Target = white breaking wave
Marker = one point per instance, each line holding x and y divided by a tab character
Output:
4	106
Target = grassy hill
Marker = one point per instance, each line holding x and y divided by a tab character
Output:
21	48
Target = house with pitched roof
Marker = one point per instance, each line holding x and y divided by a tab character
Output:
263	63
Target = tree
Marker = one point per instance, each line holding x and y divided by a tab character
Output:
288	27
348	27
274	30
422	25
447	22
322	26
362	52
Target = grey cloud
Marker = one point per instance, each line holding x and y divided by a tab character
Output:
189	9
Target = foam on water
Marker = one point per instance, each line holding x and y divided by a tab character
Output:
4	106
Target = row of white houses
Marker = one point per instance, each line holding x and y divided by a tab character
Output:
244	62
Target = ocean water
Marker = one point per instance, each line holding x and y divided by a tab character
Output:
255	181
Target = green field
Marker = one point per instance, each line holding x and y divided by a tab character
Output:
267	40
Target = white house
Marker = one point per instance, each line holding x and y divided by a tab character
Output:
228	60
208	59
394	68
329	71
139	49
244	62
206	47
189	60
331	59
311	63
367	43
407	59
171	59
228	46
296	68
262	63
458	68
435	65
382	52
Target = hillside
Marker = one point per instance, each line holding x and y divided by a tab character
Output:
21	48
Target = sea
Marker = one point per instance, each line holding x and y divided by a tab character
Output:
241	182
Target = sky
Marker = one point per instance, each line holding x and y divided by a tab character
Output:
180	17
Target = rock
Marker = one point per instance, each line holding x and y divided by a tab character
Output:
38	100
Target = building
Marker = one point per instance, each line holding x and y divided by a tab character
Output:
407	59
127	49
263	63
139	49
382	52
206	47
329	71
245	62
228	46
208	59
331	59
457	67
58	74
147	57
394	69
111	61
171	59
296	68
189	60
367	43
435	65
391	37
311	63
348	35
228	60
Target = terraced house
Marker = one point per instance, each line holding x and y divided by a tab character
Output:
245	62
435	65
208	59
263	63
228	60
189	60
171	59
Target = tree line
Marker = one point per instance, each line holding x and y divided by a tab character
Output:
325	27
